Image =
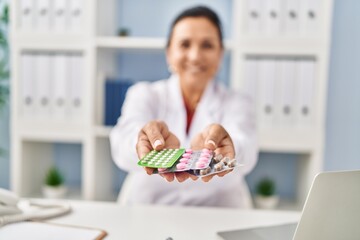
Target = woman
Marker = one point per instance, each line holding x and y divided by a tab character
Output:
187	110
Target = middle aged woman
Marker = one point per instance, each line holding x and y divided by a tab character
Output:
190	109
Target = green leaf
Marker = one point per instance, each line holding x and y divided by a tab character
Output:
54	177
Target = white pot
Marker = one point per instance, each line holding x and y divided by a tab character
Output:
266	202
54	192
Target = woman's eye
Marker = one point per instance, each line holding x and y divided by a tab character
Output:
207	45
185	45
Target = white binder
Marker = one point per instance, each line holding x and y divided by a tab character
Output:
251	78
286	105
60	78
27	13
291	17
267	81
42	16
28	85
254	16
310	16
306	97
75	15
60	16
272	12
43	78
76	85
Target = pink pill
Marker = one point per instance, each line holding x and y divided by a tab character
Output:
184	160
186	155
188	151
205	150
205	154
161	169
181	166
203	159
200	165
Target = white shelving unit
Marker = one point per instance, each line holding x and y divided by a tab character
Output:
32	141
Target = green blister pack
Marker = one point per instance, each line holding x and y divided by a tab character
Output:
161	159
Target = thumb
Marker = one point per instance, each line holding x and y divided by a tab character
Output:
215	134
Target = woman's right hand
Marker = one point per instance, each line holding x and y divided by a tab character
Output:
156	135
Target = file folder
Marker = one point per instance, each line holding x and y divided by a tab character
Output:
75	15
287	93
60	16
254	16
271	14
267	77
27	14
310	16
42	16
76	86
42	84
60	78
291	18
28	85
251	78
306	88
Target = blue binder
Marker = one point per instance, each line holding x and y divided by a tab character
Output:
115	92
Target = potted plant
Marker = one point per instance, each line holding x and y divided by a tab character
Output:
265	194
54	184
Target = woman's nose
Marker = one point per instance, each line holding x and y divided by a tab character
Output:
194	53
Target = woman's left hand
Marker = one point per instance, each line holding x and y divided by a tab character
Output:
216	138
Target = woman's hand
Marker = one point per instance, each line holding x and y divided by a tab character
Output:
156	135
216	138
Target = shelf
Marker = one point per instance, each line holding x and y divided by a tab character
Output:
139	43
283	46
103	131
50	42
51	132
287	141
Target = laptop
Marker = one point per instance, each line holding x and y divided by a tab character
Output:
331	211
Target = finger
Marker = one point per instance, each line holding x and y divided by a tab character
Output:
224	173
193	177
182	176
215	134
143	145
207	178
148	170
168	176
154	131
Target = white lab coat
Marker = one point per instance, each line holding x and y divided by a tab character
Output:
162	100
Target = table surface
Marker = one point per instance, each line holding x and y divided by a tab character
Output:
162	222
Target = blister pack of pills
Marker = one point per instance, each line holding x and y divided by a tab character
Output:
199	163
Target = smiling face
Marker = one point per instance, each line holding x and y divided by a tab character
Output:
195	51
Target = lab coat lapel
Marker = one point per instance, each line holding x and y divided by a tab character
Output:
176	109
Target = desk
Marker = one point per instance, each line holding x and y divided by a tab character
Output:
160	222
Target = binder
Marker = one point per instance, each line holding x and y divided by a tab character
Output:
28	85
76	86
42	16
254	16
60	76
287	79
115	92
271	14
75	15
60	16
43	94
306	86
291	17
27	13
267	77
310	16
251	78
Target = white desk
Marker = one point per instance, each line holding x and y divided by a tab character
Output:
150	222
